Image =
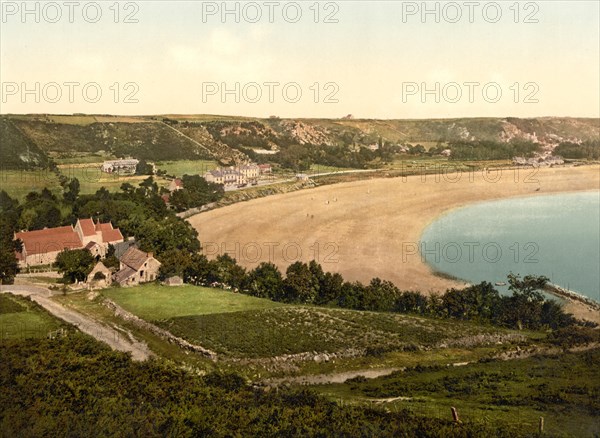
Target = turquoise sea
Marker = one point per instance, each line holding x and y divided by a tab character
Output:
553	235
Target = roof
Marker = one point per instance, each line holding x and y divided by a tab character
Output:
49	240
109	234
134	258
127	162
178	182
124	274
122	247
90	245
87	226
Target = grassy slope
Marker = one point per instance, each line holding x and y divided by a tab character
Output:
18	183
564	389
154	302
296	329
18	151
22	319
187	167
240	326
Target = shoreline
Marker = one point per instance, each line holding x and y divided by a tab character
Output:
579	305
369	228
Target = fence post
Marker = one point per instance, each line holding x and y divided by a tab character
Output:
455	415
541	424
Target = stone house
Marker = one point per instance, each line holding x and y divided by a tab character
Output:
136	267
99	277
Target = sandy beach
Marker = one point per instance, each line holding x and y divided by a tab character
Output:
369	228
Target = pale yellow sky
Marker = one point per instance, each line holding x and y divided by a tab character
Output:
379	60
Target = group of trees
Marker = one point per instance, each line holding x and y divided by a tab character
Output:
491	150
9	218
587	150
307	283
196	192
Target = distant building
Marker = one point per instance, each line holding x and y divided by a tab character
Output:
302	177
225	176
41	247
538	161
175	185
128	166
265	168
250	171
229	176
136	267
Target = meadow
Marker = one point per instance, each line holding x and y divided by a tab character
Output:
18	183
564	389
237	325
23	319
91	178
186	167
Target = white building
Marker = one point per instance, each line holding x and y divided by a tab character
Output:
120	166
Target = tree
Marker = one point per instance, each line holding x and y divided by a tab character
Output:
524	307
380	295
71	191
196	192
174	263
300	284
225	270
480	302
330	288
172	233
198	272
9	266
143	168
75	265
265	281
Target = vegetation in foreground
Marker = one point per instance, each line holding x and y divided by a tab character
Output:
564	389
74	386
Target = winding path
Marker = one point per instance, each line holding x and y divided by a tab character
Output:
109	335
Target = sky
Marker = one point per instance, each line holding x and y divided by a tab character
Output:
391	60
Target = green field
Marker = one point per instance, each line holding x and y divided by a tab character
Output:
154	302
564	389
22	319
237	325
18	183
91	178
186	167
298	329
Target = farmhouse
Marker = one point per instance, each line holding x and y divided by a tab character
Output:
120	166
136	267
175	185
41	247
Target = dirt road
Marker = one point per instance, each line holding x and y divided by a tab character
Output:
109	335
